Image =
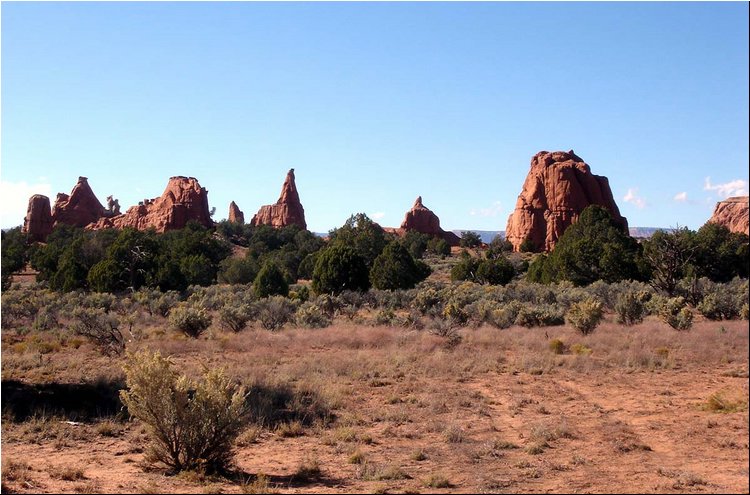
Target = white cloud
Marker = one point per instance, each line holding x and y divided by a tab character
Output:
494	210
681	197
737	187
377	215
14	199
632	197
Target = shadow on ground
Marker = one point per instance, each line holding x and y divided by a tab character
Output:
74	401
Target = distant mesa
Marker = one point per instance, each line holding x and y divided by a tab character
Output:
557	189
733	214
287	210
421	219
182	201
235	214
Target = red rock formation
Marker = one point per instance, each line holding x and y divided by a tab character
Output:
287	210
423	220
235	214
557	189
80	208
733	214
183	200
38	221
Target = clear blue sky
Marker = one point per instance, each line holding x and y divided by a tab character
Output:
374	104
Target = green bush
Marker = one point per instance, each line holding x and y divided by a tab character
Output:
470	239
395	268
190	320
584	316
192	425
465	269
340	268
596	247
270	281
238	270
275	311
438	246
629	308
497	271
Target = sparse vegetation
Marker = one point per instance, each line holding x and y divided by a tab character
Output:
192	425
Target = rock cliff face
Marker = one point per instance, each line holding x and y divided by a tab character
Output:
80	208
235	214
423	220
287	210
38	221
733	214
183	200
557	189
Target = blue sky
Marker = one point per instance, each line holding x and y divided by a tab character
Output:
374	104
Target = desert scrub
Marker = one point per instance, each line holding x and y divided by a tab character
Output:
584	316
719	304
190	320
101	328
543	315
275	311
192	425
310	315
630	308
235	315
675	313
557	346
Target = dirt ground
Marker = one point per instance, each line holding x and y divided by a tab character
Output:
658	411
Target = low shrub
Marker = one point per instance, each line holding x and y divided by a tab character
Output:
719	305
235	317
630	309
274	312
310	315
557	346
192	425
543	315
190	320
101	328
586	315
675	313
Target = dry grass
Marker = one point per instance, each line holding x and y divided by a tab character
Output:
382	404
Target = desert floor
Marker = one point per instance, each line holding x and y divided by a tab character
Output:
391	410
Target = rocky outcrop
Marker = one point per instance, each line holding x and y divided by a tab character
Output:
235	214
182	201
38	221
733	214
557	189
422	219
80	208
287	210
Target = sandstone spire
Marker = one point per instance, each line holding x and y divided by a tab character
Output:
235	214
557	189
287	210
38	221
422	219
